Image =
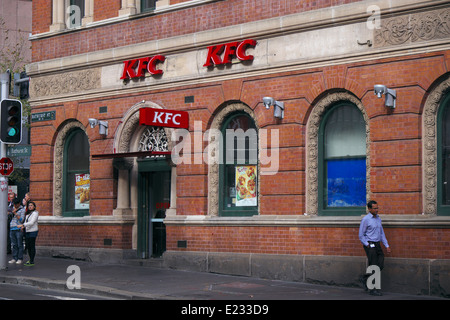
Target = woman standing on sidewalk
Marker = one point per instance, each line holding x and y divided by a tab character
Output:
31	227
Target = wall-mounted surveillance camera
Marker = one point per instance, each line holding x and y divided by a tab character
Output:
379	90
390	94
102	125
278	107
268	101
93	122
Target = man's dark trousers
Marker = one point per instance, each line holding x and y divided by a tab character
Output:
375	255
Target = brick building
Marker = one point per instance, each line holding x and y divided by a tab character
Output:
132	189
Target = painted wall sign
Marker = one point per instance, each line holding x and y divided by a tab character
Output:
137	67
229	51
163	118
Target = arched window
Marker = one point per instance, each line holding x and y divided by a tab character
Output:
76	180
443	157
238	168
342	161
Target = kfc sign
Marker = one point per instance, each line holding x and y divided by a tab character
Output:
217	55
163	118
137	67
230	50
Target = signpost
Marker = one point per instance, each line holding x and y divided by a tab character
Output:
10	133
4	94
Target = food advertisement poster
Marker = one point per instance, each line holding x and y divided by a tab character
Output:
82	188
246	186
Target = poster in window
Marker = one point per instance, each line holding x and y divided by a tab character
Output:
82	191
346	183
246	186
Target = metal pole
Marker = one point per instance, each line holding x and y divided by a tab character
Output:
4	81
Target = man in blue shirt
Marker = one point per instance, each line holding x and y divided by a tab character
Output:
371	233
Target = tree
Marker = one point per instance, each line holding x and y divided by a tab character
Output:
13	47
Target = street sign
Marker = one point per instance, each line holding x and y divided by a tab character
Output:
6	166
18	150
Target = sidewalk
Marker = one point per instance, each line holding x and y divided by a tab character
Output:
126	281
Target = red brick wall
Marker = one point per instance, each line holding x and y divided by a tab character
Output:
85	236
105	9
190	20
395	155
42	16
405	243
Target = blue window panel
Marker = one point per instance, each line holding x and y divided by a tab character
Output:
346	183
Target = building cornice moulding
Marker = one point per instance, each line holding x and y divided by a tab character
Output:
97	74
98	92
389	221
86	220
310	20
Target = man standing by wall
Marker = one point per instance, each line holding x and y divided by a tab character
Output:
371	233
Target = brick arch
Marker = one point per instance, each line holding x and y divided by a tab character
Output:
429	145
58	163
213	168
312	146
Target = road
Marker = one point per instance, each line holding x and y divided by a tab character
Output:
23	292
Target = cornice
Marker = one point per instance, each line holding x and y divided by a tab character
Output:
317	19
389	221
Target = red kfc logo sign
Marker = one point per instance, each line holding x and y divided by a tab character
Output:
137	67
230	51
163	118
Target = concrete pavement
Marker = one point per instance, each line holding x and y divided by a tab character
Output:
133	281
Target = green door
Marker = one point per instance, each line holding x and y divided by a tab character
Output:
154	200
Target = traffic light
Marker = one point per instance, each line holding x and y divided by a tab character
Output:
21	84
11	121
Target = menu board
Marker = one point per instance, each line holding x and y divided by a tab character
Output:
246	186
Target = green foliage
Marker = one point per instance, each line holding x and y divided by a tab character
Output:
12	58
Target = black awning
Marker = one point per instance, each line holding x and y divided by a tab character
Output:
131	154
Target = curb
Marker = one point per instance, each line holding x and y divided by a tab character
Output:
60	285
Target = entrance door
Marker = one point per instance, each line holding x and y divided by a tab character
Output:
154	200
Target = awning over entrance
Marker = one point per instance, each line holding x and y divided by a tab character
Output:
131	154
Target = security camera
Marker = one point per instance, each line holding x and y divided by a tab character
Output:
103	127
278	111
93	122
268	101
390	95
278	107
379	90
